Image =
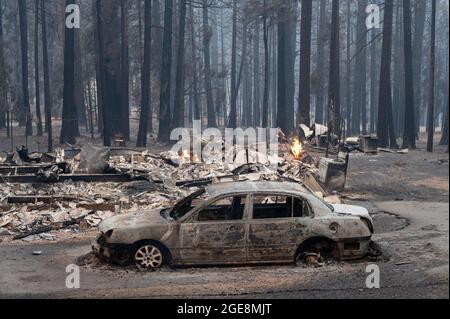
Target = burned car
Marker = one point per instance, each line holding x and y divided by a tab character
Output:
237	223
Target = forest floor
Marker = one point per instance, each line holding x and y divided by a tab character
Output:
407	194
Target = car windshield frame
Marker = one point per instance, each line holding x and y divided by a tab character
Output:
181	203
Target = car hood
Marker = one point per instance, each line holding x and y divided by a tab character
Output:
132	220
356	211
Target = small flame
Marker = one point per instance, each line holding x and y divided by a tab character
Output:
297	148
185	156
195	158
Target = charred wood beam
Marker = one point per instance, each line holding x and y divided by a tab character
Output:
95	178
28	170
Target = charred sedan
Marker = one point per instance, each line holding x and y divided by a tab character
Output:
237	223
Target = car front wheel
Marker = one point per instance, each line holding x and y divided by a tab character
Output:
148	257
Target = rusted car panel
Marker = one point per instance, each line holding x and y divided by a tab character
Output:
246	237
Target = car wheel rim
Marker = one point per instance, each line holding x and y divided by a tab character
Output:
148	257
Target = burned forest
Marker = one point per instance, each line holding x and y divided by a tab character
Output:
147	144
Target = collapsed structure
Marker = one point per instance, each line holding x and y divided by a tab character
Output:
74	189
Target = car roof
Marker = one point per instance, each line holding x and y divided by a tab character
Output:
287	188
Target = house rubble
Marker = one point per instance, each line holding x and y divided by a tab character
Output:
76	192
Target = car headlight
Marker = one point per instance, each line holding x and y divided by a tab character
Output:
101	240
109	233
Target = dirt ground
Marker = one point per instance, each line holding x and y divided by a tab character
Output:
408	196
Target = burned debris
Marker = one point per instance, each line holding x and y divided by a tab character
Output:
75	188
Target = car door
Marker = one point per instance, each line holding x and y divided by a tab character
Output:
216	233
273	231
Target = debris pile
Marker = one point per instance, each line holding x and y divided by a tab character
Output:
40	208
117	181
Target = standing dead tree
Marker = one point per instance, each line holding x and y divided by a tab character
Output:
179	105
46	71
166	71
305	64
359	96
145	78
4	111
24	53
36	69
69	116
385	130
334	98
125	70
207	33
430	124
409	134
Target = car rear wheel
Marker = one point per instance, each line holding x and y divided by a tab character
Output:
149	257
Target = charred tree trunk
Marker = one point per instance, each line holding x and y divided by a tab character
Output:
274	72
445	130
419	27
290	64
373	82
348	84
284	63
359	95
207	33
334	98
145	78
256	78
196	107
47	94
179	105
98	66
156	56
232	121
24	53
88	90
4	110
398	77
36	69
69	115
430	125
247	97
110	54
103	113
321	41
78	89
125	71
385	93
166	71
305	64
265	109
409	135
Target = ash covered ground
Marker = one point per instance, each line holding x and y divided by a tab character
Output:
407	194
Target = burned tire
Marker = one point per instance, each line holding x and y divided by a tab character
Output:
148	256
315	251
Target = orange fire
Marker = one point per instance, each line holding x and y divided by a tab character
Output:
297	148
188	157
185	156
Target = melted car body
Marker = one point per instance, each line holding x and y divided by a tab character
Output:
239	223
